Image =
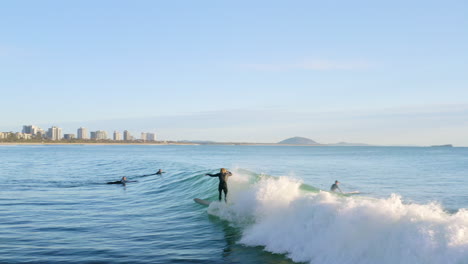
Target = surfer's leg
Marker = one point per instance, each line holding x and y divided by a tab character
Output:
225	193
220	189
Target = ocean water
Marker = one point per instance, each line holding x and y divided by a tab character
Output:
55	205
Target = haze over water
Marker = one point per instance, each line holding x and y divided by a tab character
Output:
55	206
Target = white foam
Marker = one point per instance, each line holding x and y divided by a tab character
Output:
326	228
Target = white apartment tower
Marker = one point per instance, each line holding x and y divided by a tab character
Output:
101	135
127	135
82	133
117	136
148	136
54	133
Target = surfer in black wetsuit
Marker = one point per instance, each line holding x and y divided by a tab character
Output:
159	172
222	176
122	181
334	187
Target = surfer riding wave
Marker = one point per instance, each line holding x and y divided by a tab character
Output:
222	176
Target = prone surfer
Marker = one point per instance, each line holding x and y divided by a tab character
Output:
122	181
159	172
335	187
222	176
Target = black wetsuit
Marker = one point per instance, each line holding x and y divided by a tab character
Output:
117	182
120	182
222	183
334	187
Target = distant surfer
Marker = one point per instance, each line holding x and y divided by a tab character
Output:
159	172
122	181
335	187
222	176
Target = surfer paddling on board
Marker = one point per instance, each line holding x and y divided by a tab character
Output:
222	176
159	172
122	181
334	187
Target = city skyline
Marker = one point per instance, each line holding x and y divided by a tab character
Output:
55	133
381	73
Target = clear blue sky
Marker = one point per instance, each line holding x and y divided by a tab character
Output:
379	72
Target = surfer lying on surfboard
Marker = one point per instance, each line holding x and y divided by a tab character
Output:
122	181
159	172
223	176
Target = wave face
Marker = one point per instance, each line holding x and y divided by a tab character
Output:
320	227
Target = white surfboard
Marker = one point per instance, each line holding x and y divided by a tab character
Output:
201	201
354	192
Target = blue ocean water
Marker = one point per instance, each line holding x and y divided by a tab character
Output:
55	205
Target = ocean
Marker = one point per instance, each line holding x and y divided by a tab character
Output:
55	205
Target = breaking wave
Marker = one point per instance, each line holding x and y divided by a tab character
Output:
321	227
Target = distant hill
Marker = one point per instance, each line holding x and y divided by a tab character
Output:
442	146
298	141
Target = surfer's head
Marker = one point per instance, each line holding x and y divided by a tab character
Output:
223	170
124	178
337	182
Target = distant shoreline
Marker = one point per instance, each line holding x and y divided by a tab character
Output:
192	144
89	143
162	144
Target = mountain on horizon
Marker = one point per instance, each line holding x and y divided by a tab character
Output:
298	141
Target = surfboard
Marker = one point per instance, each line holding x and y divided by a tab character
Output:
201	201
354	192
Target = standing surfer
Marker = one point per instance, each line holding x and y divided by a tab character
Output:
222	176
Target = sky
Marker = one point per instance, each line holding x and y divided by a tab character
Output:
376	72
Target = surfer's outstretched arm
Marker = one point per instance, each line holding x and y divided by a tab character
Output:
212	175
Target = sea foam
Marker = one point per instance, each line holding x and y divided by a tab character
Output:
328	228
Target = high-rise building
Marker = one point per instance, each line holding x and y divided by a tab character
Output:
101	135
151	136
32	130
148	136
117	136
82	133
54	133
93	135
127	135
